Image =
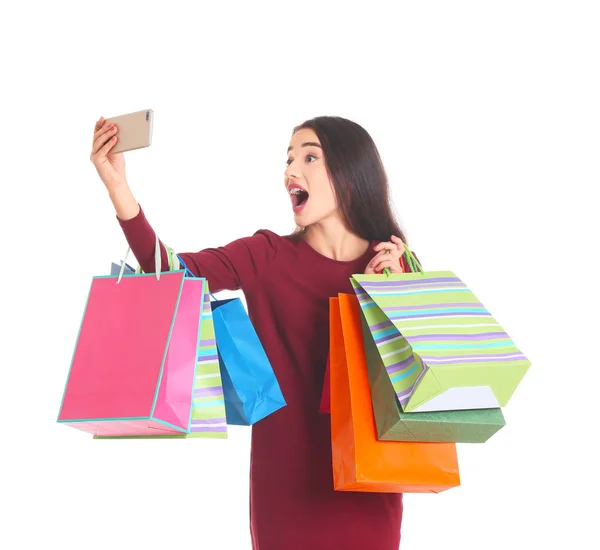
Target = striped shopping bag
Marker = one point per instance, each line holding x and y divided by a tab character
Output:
440	346
208	405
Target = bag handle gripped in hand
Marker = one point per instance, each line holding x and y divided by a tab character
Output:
413	263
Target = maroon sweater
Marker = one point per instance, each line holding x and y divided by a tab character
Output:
287	285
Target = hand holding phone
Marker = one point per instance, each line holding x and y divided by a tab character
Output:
134	130
112	137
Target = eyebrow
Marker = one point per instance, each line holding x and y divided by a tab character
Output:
307	144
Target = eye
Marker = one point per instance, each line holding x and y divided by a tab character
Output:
287	162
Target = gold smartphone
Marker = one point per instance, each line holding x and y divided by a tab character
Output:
134	130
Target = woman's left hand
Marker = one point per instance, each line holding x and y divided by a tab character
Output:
388	255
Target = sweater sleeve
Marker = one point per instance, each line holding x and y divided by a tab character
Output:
234	266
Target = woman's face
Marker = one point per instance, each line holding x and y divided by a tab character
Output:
307	181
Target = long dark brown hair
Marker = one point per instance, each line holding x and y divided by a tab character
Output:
358	177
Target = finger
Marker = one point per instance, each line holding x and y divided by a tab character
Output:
101	141
394	266
107	147
103	129
378	257
399	243
385	245
382	264
98	126
103	136
105	126
387	253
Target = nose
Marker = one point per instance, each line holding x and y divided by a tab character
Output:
290	171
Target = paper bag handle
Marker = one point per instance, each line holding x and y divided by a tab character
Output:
174	263
413	263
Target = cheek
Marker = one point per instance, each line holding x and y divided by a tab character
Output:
331	196
323	189
325	196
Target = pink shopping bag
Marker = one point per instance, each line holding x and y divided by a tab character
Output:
133	368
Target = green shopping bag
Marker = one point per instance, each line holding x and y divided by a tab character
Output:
472	426
441	348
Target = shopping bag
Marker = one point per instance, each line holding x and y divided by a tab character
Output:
361	462
116	268
136	346
143	359
472	426
208	407
251	389
460	426
441	348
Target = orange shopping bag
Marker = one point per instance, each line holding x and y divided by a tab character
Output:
360	461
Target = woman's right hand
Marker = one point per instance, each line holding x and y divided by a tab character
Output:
110	166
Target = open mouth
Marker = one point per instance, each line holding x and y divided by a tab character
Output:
299	198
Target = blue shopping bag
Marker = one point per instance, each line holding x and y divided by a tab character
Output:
116	268
250	387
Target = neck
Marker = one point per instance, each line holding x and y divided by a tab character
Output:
331	238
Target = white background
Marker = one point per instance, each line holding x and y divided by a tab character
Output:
487	117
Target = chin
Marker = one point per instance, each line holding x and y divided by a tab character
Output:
304	219
301	219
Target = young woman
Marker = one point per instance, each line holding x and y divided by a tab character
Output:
340	200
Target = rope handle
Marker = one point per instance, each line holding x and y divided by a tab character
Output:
173	259
413	263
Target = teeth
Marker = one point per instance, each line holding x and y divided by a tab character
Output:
295	191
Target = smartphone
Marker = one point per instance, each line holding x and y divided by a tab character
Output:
134	130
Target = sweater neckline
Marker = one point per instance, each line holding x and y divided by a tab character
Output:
366	254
